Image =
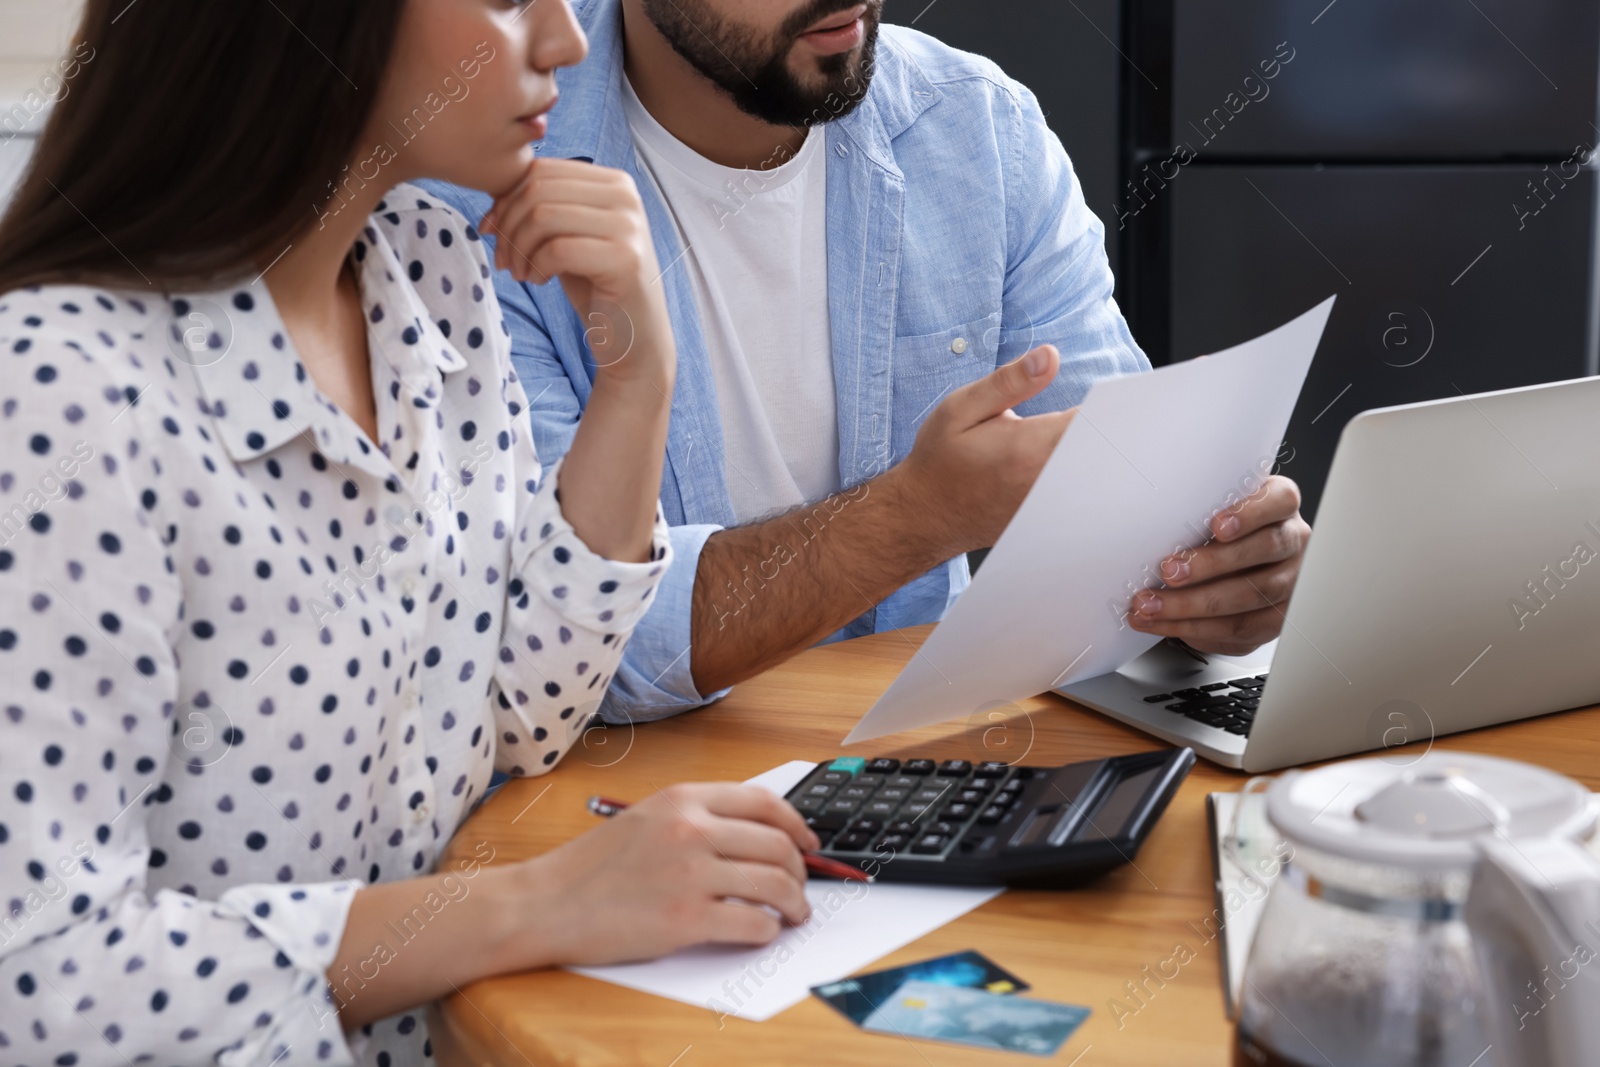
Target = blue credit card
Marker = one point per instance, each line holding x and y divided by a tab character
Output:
858	997
976	1017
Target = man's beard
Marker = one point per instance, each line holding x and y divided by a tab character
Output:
755	73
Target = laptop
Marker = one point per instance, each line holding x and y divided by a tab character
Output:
1452	582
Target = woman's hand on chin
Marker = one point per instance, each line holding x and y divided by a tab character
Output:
586	225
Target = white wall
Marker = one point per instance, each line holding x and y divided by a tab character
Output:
33	35
35	29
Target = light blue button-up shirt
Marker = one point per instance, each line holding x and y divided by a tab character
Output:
958	239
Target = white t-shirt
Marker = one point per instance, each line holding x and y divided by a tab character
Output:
756	248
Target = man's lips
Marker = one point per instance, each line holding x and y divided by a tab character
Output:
837	21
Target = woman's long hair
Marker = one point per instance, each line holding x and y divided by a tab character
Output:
194	138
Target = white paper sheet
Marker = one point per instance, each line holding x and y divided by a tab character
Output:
1139	473
852	924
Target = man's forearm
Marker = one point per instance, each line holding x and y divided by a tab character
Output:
766	591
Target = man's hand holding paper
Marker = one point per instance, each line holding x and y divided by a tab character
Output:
1229	595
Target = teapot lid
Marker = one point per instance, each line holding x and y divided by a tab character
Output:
1429	814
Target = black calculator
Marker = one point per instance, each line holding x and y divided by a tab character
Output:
957	822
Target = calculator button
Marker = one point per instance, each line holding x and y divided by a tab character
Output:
942	827
991	769
903	781
1157	698
928	796
982	785
918	766
1005	800
820	791
1013	786
883	765
881	809
866	826
850	842
893	793
893	843
991	815
971	796
956	812
855	792
844	804
851	765
833	777
872	780
826	822
914	808
903	826
955	768
808	804
929	844
977	842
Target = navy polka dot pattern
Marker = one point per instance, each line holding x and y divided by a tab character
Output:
251	660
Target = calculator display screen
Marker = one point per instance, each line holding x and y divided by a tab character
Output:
1119	806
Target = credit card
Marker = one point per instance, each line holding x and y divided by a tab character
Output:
858	997
975	1017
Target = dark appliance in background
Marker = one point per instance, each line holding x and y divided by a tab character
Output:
1429	162
1432	163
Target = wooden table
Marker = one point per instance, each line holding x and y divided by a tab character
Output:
1083	947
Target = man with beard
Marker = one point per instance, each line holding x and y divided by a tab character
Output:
888	293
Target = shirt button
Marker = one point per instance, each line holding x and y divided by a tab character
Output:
408	586
959	345
412	701
421	814
395	514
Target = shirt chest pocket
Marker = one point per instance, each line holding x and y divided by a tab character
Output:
928	367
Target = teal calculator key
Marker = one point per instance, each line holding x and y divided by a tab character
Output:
848	764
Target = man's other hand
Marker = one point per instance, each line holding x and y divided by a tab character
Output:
1229	595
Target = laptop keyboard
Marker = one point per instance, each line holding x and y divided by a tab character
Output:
1229	706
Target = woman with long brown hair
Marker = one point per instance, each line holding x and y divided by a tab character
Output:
281	579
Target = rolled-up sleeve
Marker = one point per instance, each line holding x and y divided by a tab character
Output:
569	619
655	679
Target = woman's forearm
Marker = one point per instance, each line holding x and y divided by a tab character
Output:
411	942
611	477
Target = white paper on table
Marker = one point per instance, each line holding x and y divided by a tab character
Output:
852	924
1138	475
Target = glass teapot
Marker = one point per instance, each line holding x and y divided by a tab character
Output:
1438	913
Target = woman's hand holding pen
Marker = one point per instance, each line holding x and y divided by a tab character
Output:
691	864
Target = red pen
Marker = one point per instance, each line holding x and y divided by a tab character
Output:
831	868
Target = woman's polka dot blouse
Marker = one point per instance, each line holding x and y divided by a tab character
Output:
251	660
